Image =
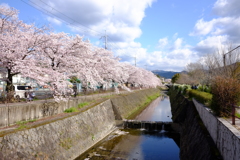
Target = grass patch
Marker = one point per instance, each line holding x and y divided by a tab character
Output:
21	122
35	99
136	111
237	115
70	110
81	105
108	96
32	120
21	127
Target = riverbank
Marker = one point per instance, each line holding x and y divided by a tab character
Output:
144	141
195	142
68	137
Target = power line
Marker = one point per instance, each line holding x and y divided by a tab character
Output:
70	21
224	55
67	18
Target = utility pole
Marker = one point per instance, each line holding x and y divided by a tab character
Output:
135	61
105	39
146	66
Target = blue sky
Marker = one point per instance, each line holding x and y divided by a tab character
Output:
162	35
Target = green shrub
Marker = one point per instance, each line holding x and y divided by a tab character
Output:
179	88
200	88
202	97
204	88
208	89
183	89
175	86
72	109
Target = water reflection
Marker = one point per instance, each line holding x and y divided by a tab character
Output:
158	110
140	144
136	145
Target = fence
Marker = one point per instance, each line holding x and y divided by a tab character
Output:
234	113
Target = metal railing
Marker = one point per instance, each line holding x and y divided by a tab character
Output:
233	113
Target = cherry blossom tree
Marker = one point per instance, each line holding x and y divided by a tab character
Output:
18	44
52	58
142	77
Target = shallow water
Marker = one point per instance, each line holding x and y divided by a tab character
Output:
133	144
158	110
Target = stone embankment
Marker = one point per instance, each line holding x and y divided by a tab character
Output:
195	142
70	136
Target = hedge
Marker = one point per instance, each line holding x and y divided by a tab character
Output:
202	97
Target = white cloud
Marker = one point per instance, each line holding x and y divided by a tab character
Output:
219	26
54	20
172	54
172	58
220	31
227	8
178	43
121	19
162	42
211	44
202	27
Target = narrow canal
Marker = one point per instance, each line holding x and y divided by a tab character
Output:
139	144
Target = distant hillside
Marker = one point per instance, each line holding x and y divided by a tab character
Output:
165	74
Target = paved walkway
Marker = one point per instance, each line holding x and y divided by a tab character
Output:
237	123
97	95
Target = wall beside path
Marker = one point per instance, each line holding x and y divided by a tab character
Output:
69	137
15	112
224	134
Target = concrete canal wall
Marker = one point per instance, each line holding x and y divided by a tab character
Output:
126	105
195	142
225	136
71	136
